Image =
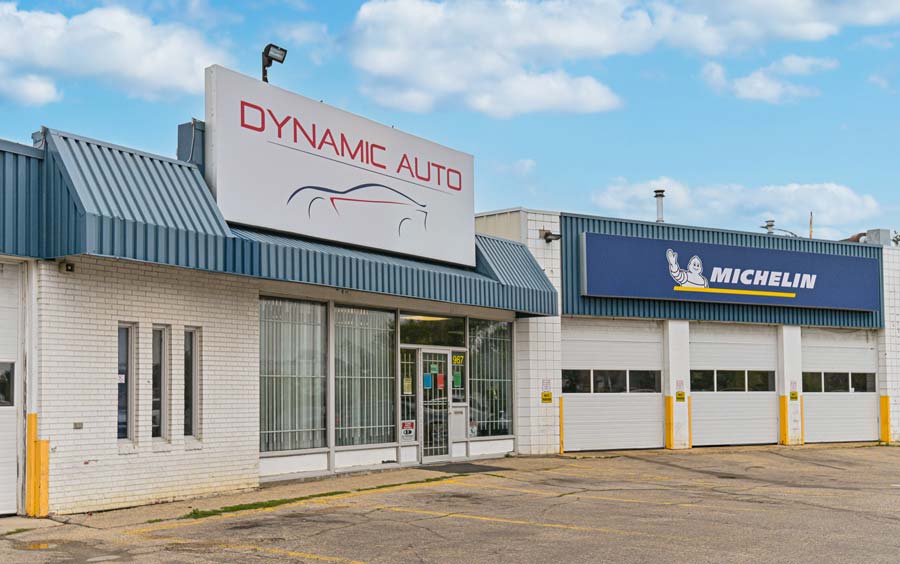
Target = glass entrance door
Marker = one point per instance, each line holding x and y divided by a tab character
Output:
435	405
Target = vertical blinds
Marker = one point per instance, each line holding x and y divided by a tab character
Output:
365	376
293	374
490	376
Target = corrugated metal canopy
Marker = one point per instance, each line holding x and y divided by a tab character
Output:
506	276
91	197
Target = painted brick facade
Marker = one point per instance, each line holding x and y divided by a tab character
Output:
77	315
539	352
889	338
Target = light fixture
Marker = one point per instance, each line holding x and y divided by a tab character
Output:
549	236
272	54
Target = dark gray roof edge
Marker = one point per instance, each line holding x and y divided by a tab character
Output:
20	149
130	150
708	229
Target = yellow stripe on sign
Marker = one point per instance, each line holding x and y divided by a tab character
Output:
736	292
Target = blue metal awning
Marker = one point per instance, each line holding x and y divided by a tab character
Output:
81	196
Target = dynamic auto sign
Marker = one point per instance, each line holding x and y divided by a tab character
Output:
281	161
634	267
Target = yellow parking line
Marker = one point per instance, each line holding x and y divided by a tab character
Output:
293	553
144	531
571	494
580	528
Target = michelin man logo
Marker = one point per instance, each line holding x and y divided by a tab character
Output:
692	276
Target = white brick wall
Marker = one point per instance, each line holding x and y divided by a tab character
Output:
539	352
889	338
78	315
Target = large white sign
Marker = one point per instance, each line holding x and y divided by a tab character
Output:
278	160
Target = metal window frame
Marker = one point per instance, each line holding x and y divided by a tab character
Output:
130	384
329	380
196	387
165	410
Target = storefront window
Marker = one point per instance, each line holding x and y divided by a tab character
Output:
576	381
365	376
432	330
490	377
293	374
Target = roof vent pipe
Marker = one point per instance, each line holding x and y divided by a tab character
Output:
659	195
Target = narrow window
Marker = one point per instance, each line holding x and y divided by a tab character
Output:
191	381
125	355
160	382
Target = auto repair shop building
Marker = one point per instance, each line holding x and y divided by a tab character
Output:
282	306
675	336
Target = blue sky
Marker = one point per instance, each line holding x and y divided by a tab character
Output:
742	110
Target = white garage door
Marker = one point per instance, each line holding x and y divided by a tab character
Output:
840	401
9	384
612	384
733	384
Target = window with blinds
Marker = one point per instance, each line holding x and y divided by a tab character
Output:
490	377
365	376
293	374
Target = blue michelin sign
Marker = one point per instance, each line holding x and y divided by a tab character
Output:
634	267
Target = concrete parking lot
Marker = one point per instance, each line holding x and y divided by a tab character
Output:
775	504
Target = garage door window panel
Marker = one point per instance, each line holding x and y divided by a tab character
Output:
610	382
731	381
576	381
7	384
837	382
812	382
761	381
703	381
862	382
644	381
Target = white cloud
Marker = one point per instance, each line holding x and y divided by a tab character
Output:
556	91
880	81
767	84
28	89
839	211
477	52
795	65
113	44
313	36
521	168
